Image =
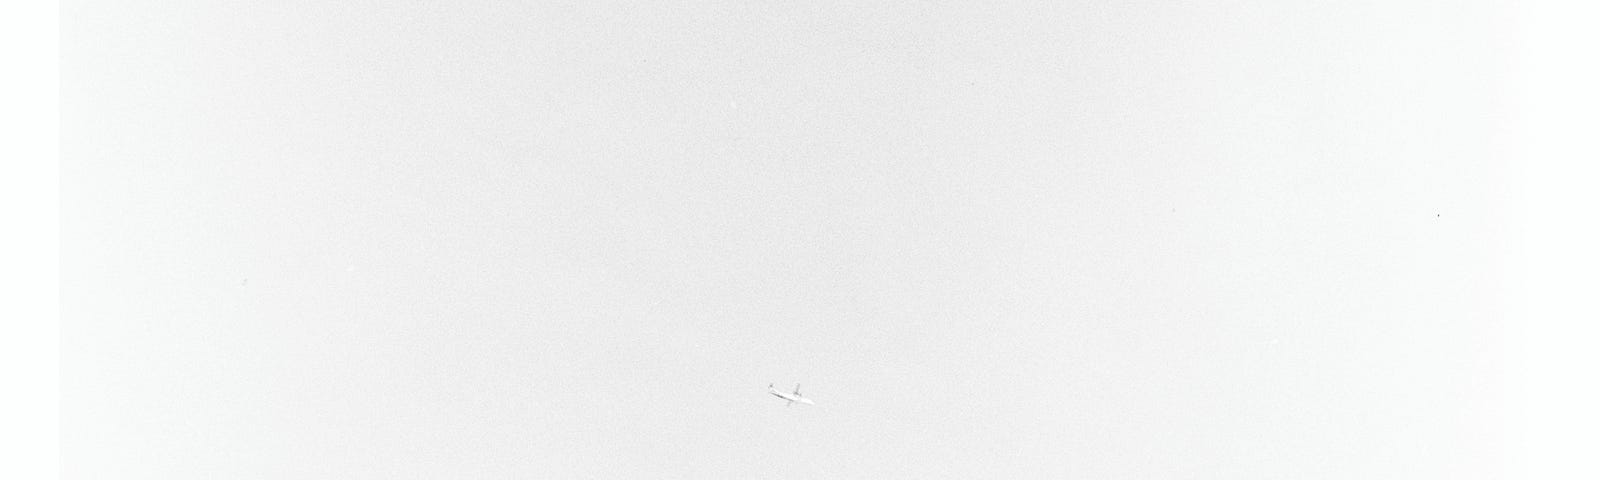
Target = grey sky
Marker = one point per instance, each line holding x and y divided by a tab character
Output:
1095	240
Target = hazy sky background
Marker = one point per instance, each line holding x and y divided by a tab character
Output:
1250	239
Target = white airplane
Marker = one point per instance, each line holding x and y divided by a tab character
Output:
791	397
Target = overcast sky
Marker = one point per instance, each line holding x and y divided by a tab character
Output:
1115	240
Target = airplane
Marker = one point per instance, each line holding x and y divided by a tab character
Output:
791	397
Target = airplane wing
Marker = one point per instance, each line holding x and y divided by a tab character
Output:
797	389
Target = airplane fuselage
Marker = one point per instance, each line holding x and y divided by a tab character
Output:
791	397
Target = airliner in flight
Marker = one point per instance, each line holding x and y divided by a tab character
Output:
791	397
